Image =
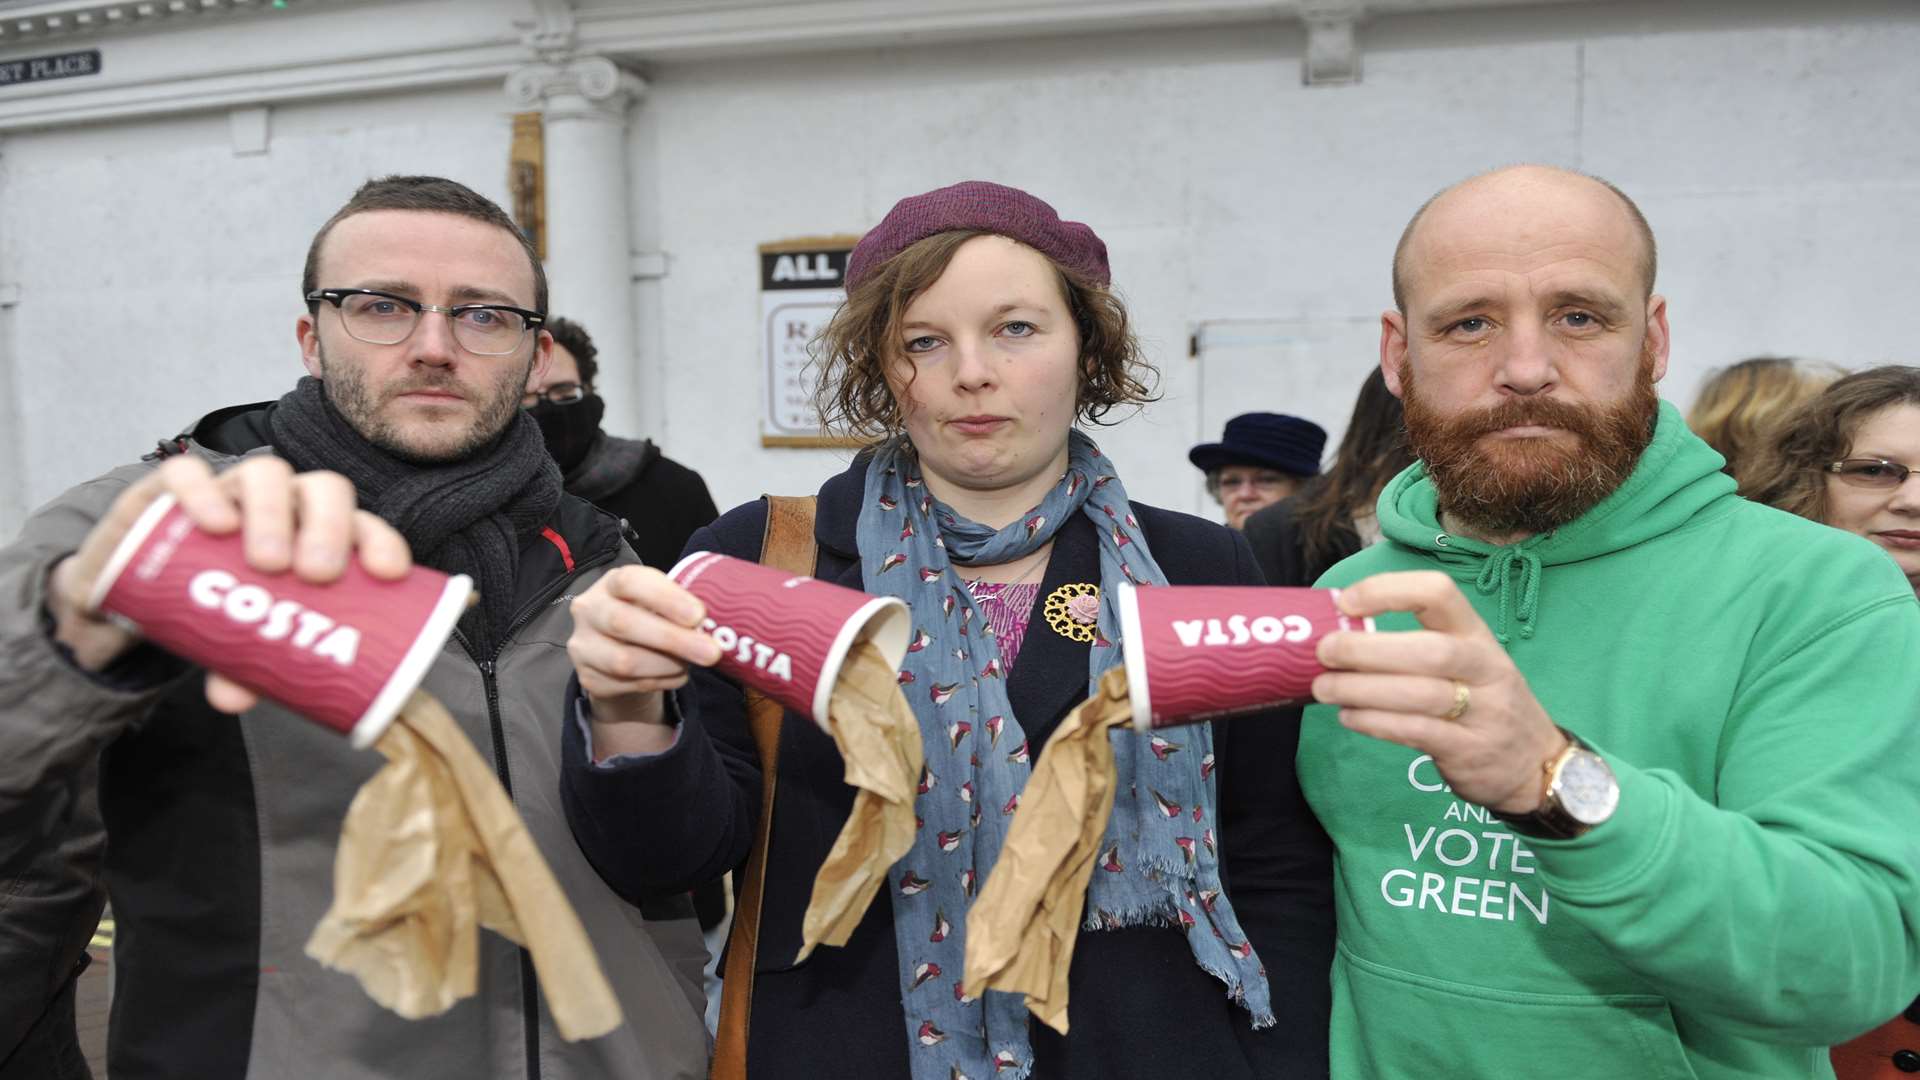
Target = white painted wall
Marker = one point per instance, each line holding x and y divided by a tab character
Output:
1774	147
1775	156
159	272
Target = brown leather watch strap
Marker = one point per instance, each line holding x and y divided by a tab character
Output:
1549	820
788	545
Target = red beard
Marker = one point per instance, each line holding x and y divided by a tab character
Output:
1514	486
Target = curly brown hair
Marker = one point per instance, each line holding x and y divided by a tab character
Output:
1788	473
854	350
1738	405
574	338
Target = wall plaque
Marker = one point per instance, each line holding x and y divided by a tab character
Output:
800	287
29	69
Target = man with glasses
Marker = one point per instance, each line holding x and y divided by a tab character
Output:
661	500
423	326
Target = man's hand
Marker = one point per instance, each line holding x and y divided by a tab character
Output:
306	522
1399	687
634	633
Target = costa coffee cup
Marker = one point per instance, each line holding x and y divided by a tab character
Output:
346	654
785	635
1198	652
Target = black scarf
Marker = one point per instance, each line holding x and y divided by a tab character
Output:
570	429
461	517
596	464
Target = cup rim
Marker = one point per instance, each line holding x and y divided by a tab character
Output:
413	666
883	620
685	560
116	565
1133	654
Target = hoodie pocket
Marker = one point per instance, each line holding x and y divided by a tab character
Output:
1391	1024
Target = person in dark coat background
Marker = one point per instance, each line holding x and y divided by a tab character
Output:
1297	539
51	896
661	500
978	336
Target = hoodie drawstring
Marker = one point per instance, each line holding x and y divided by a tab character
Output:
1498	574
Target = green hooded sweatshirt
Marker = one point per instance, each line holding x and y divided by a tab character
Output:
1753	679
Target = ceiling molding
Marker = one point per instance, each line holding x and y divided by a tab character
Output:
66	20
241	86
192	67
673	30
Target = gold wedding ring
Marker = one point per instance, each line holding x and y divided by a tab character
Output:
1461	698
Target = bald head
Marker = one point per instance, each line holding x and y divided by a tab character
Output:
1553	194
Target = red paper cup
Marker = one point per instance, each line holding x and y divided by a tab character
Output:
787	636
1197	652
346	654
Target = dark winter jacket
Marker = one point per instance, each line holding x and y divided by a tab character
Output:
51	895
661	500
1274	534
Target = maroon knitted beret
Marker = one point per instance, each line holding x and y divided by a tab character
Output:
977	204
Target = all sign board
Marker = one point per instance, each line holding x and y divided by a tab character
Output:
801	285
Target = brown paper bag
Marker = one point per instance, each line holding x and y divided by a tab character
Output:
432	849
1022	930
879	739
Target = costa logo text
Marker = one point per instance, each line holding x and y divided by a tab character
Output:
278	620
1238	630
749	652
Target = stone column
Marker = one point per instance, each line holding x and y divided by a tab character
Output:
584	102
13	473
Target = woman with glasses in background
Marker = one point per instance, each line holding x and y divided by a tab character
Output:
1848	457
1851	458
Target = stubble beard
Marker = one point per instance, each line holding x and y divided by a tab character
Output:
1530	486
346	387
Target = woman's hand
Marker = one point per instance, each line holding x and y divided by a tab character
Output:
634	634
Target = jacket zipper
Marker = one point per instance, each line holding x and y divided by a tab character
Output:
529	981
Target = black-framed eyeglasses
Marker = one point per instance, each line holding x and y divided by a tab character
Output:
1870	472
560	393
381	318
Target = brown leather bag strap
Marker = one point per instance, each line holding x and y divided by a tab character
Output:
789	546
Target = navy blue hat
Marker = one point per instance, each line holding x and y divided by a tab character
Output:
1275	440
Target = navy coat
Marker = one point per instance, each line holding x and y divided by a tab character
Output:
1140	1004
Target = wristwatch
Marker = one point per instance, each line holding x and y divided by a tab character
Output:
1581	792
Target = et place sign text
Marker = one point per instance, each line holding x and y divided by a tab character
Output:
40	68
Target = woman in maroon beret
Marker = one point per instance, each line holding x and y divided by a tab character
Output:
979	336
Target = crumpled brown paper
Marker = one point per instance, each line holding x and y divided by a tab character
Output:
879	739
1022	929
431	850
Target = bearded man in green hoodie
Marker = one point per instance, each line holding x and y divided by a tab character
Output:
1634	790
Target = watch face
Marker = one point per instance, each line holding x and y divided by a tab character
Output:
1586	788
